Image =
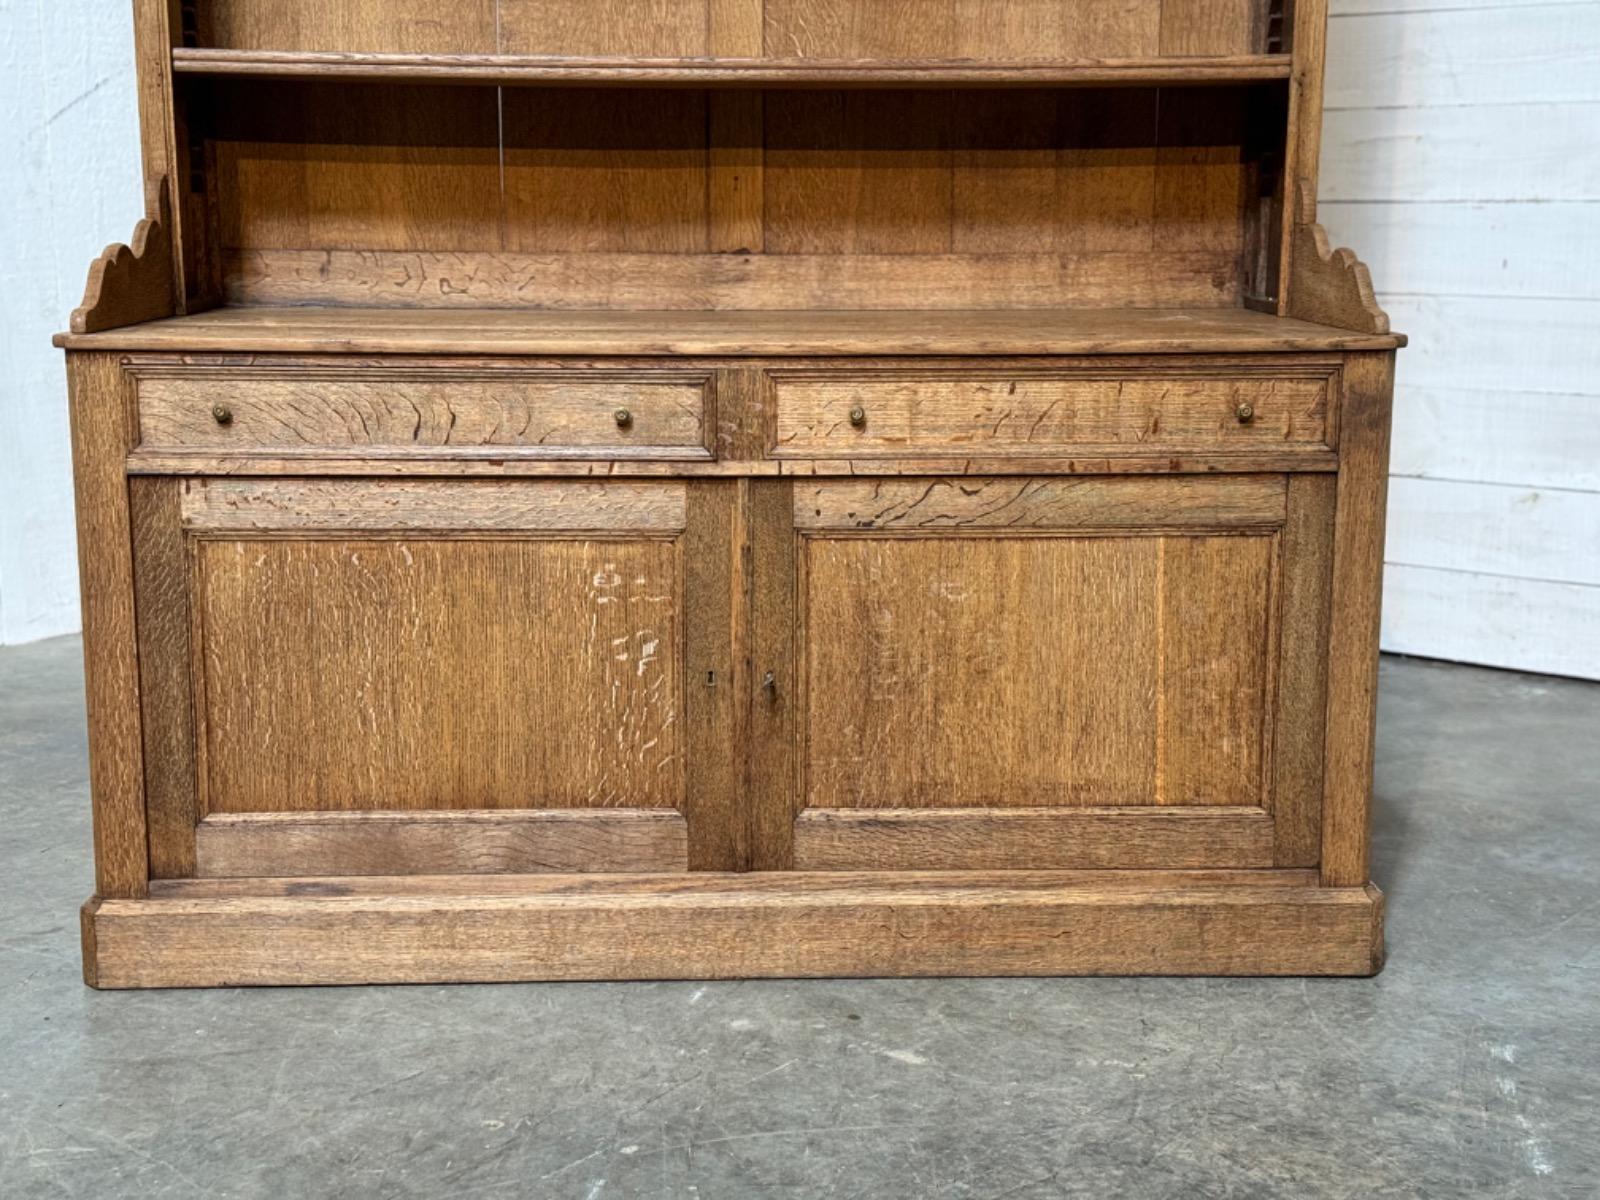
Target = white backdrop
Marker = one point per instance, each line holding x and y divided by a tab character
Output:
69	158
1461	159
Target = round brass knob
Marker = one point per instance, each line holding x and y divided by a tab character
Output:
858	416
222	414
1246	413
624	418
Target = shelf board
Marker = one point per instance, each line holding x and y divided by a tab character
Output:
729	334
728	72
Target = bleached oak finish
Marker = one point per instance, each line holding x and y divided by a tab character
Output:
710	926
553	413
461	842
931	839
1120	332
913	412
584	489
133	283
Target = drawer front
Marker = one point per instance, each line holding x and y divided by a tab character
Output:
890	413
553	413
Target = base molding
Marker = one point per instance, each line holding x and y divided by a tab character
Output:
717	926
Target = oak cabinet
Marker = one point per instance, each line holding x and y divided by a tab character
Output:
765	488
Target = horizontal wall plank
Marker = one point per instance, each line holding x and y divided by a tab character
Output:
1533	533
1530	438
1449	56
288	505
1539	152
931	839
1498	344
1523	624
440	843
729	927
1023	505
1519	249
1355	9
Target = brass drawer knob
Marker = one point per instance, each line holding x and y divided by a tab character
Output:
222	414
624	418
858	416
1246	413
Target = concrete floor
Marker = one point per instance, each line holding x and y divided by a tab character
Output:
1471	1067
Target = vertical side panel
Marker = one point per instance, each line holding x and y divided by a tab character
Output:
1302	671
1307	23
713	583
1353	631
770	786
101	405
155	28
161	597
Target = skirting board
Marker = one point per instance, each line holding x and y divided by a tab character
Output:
721	926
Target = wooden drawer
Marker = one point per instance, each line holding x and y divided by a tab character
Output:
435	412
1039	413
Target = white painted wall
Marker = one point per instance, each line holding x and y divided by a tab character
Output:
69	171
1461	160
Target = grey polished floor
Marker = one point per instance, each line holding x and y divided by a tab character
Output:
1471	1067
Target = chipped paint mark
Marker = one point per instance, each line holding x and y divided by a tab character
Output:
698	993
909	1057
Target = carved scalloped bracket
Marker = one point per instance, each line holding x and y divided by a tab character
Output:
129	284
1329	286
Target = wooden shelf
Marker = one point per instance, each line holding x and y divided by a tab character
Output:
746	334
729	72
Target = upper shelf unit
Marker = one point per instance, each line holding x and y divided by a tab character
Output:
730	43
546	70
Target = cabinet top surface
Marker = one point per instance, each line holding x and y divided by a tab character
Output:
730	333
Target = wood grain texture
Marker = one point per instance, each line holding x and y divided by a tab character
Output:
969	29
517	464
136	282
980	839
305	505
1022	505
602	172
100	404
732	927
375	26
1213	26
658	28
714	617
390	167
774	722
913	412
462	842
1086	331
166	697
1332	287
1357	599
994	671
752	884
735	283
298	411
354	673
735	68
1299	725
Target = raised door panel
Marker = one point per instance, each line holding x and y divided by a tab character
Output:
1050	673
433	677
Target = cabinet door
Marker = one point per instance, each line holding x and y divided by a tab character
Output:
1044	673
357	677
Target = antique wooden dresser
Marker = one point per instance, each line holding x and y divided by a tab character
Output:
579	489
